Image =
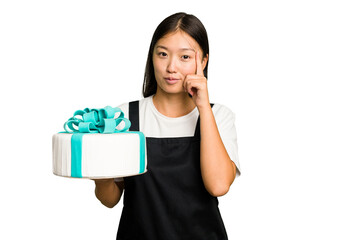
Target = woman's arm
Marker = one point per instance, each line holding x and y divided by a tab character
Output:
217	169
108	192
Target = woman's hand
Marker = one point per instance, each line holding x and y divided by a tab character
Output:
108	192
196	84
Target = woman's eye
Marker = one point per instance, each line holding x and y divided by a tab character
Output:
162	54
185	57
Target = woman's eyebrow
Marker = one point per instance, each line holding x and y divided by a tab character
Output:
187	49
162	47
181	49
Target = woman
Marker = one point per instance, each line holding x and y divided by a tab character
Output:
177	197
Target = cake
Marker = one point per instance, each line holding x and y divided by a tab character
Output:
94	146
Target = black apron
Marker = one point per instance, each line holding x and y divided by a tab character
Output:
170	201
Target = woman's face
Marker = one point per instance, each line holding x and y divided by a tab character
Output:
174	58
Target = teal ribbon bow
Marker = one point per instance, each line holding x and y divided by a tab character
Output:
101	120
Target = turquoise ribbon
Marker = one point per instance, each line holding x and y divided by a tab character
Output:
101	120
142	151
76	155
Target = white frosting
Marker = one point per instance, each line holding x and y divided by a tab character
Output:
103	155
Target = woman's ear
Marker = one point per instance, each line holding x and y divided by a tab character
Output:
204	61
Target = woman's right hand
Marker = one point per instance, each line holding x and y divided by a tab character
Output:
108	192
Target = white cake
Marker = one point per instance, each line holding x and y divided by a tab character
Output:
95	146
102	155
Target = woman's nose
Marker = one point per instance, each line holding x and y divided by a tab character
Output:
171	67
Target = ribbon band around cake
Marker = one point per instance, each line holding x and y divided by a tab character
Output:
102	120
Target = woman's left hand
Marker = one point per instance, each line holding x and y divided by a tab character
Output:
196	84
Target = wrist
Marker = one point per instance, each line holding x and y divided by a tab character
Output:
204	109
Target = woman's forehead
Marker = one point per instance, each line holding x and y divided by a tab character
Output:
178	40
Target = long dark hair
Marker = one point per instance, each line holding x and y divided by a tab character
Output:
179	21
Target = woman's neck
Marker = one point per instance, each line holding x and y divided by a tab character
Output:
173	105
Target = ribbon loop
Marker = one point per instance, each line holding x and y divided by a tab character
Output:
103	120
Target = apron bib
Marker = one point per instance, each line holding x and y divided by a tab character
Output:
170	201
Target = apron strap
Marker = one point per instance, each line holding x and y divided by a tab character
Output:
197	129
134	116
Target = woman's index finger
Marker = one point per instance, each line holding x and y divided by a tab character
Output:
199	70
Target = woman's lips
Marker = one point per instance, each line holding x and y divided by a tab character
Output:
171	80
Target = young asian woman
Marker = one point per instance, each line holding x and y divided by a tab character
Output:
191	144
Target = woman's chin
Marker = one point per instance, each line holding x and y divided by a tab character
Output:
171	90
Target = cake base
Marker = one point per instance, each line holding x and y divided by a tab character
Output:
99	156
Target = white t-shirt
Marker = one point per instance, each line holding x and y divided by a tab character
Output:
154	124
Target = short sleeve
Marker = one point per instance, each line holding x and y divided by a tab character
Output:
225	121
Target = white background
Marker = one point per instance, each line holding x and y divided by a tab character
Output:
288	69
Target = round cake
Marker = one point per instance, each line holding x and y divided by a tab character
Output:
99	155
94	146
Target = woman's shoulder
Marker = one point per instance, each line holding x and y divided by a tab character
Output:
222	112
222	107
142	102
